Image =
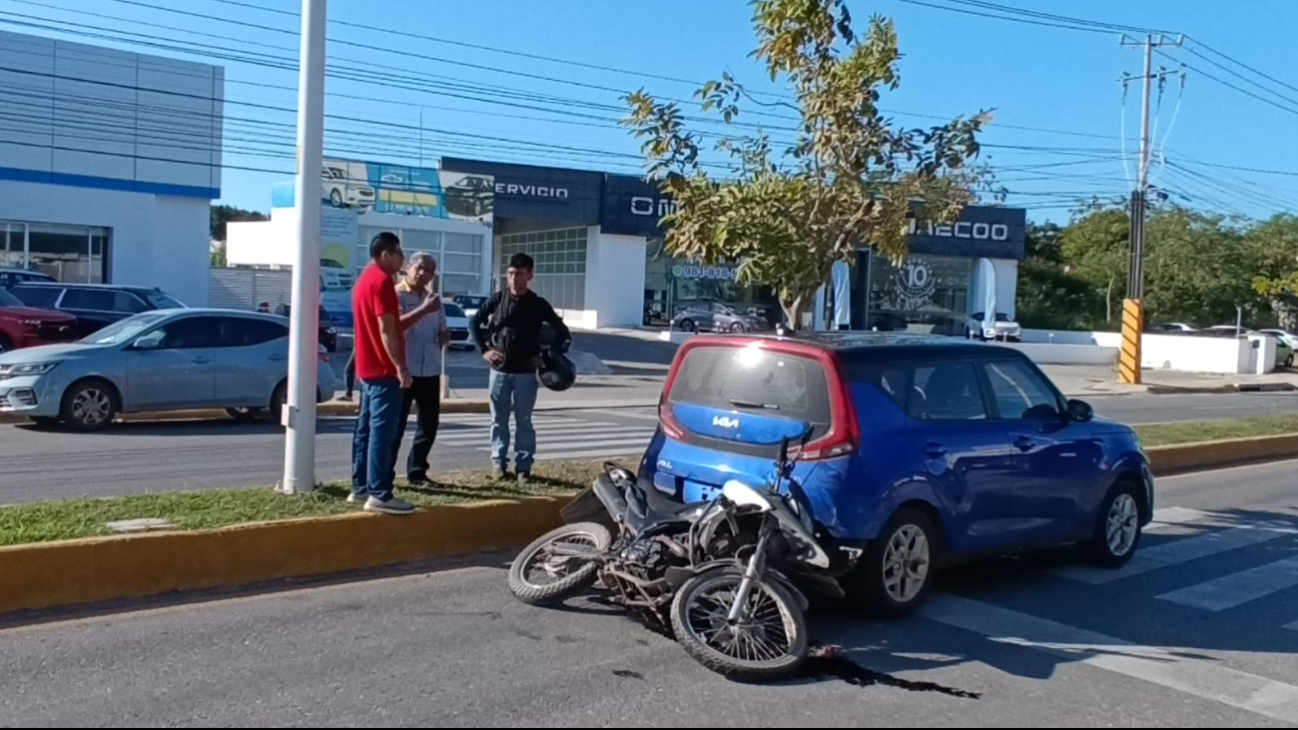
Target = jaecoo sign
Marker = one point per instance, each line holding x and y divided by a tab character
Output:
963	229
528	190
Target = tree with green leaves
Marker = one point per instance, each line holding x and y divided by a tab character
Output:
1097	249
850	178
1273	248
1049	297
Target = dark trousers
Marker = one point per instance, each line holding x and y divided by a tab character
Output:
349	373
426	393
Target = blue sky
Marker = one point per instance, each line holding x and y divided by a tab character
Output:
403	98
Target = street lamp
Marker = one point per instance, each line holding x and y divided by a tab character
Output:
300	410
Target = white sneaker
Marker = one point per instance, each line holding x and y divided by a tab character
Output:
393	506
357	499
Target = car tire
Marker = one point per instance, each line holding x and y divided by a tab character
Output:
687	325
6	344
1288	362
738	327
89	405
278	400
910	541
336	198
1118	530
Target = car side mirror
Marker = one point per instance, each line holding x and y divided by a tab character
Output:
1080	411
147	343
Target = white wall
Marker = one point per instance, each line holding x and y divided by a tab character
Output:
95	112
615	274
155	241
273	242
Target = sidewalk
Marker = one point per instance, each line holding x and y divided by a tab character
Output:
1092	380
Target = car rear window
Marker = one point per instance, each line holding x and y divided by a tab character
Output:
754	380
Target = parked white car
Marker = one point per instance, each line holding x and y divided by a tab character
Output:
1003	328
457	321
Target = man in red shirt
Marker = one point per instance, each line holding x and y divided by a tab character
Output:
380	352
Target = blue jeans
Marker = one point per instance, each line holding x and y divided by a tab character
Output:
513	393
376	429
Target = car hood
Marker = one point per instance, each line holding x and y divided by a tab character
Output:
44	315
45	353
459	323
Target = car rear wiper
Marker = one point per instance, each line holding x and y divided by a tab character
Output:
750	404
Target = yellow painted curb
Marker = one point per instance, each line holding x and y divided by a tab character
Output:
1216	454
75	572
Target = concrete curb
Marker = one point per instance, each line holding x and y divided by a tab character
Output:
76	572
50	575
1218	454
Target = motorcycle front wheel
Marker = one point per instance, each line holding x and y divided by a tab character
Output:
551	570
768	641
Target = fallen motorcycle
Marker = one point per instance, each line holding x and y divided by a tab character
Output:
709	573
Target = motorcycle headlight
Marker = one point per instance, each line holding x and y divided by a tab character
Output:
26	369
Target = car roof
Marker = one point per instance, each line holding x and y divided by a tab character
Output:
880	344
80	285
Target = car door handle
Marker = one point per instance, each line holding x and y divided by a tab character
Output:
934	450
1024	443
277	358
202	360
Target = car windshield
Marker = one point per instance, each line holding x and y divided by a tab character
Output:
9	300
162	300
453	310
124	331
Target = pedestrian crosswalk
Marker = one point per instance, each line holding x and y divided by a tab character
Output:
557	436
1219	545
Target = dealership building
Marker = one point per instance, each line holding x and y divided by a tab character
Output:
109	162
599	249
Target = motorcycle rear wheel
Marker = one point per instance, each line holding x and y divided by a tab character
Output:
570	576
769	644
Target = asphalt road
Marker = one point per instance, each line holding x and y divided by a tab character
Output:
138	458
1187	636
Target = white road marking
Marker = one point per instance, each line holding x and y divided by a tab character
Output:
1237	589
1172	553
1164	666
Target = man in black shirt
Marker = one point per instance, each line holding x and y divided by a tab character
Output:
508	332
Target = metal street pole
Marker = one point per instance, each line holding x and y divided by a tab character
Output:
1130	356
300	411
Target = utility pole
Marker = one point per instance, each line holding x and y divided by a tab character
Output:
299	417
1133	307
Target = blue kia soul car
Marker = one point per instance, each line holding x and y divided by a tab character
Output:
915	452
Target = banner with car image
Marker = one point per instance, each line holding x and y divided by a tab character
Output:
399	190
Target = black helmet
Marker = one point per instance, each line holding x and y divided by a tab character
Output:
557	371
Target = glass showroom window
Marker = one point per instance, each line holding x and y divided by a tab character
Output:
560	264
77	254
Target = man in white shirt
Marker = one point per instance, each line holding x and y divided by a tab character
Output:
426	337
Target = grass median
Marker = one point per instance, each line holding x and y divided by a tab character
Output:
1190	432
80	518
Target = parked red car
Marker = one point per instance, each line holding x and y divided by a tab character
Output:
24	326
